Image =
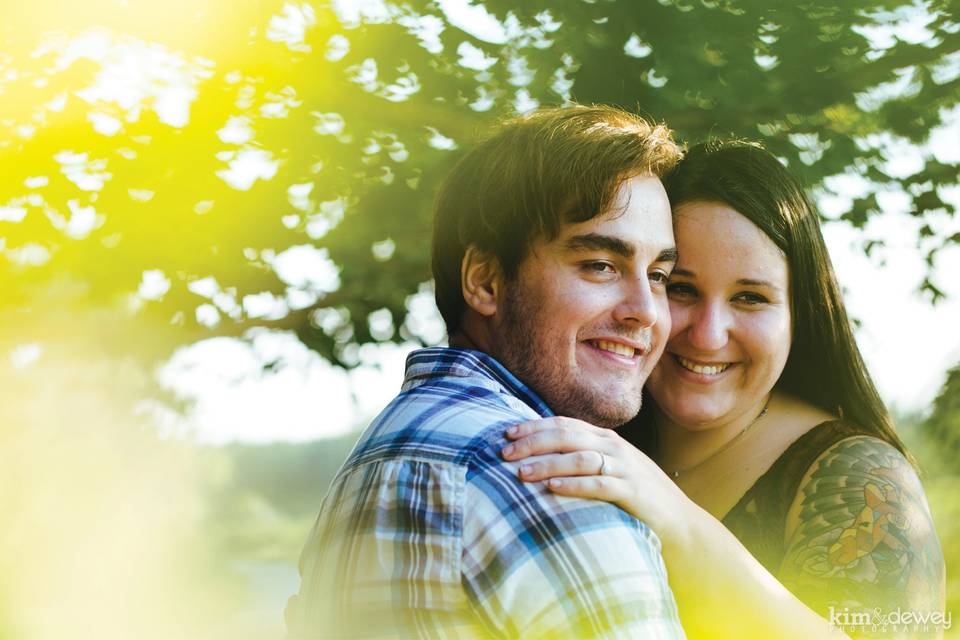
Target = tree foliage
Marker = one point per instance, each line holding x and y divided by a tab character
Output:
163	168
943	425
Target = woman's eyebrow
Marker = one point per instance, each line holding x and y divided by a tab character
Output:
750	282
744	282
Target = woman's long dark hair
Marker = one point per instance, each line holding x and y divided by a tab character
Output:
824	367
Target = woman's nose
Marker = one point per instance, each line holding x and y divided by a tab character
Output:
710	327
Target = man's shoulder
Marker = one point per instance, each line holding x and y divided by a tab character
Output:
548	562
441	420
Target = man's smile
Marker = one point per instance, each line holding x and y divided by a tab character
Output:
615	347
616	350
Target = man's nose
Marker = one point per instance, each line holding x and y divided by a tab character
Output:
639	303
709	327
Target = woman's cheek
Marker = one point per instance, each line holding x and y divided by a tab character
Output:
679	318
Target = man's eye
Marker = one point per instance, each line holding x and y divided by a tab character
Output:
599	267
659	277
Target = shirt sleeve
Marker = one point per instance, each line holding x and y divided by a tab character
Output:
539	565
383	560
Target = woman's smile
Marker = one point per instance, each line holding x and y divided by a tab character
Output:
708	369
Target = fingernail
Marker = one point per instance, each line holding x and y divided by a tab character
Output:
555	483
526	469
508	450
512	431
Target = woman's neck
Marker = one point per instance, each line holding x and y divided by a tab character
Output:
685	447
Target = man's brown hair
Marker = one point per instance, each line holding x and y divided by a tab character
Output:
534	174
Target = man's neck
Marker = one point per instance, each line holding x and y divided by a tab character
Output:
461	341
473	333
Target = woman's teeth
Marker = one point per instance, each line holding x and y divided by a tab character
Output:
705	369
615	347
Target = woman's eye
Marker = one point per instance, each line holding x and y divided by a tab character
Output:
681	290
751	298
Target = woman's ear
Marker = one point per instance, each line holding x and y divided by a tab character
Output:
480	281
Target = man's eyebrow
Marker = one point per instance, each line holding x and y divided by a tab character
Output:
667	255
597	242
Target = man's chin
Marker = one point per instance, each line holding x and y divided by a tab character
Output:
610	421
600	412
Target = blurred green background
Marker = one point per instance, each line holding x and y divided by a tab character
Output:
192	170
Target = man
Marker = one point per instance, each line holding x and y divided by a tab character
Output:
551	250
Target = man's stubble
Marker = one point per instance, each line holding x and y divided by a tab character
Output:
523	344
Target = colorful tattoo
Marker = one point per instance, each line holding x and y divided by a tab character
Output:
863	538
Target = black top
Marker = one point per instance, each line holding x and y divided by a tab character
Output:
759	518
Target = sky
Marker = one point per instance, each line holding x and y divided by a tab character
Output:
907	343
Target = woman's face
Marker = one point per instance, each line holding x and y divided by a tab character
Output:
730	306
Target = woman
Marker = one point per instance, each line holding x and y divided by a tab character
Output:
768	434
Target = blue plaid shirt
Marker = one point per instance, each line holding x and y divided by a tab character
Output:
427	532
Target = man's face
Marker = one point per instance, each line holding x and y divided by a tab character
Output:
586	318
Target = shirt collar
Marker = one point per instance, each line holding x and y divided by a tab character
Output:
436	362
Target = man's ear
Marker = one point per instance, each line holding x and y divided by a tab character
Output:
481	281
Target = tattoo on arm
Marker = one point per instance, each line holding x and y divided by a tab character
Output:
860	535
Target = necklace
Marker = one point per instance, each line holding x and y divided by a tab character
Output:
676	472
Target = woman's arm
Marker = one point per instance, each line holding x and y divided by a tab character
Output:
861	545
722	591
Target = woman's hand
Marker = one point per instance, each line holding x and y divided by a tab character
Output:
703	558
578	459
